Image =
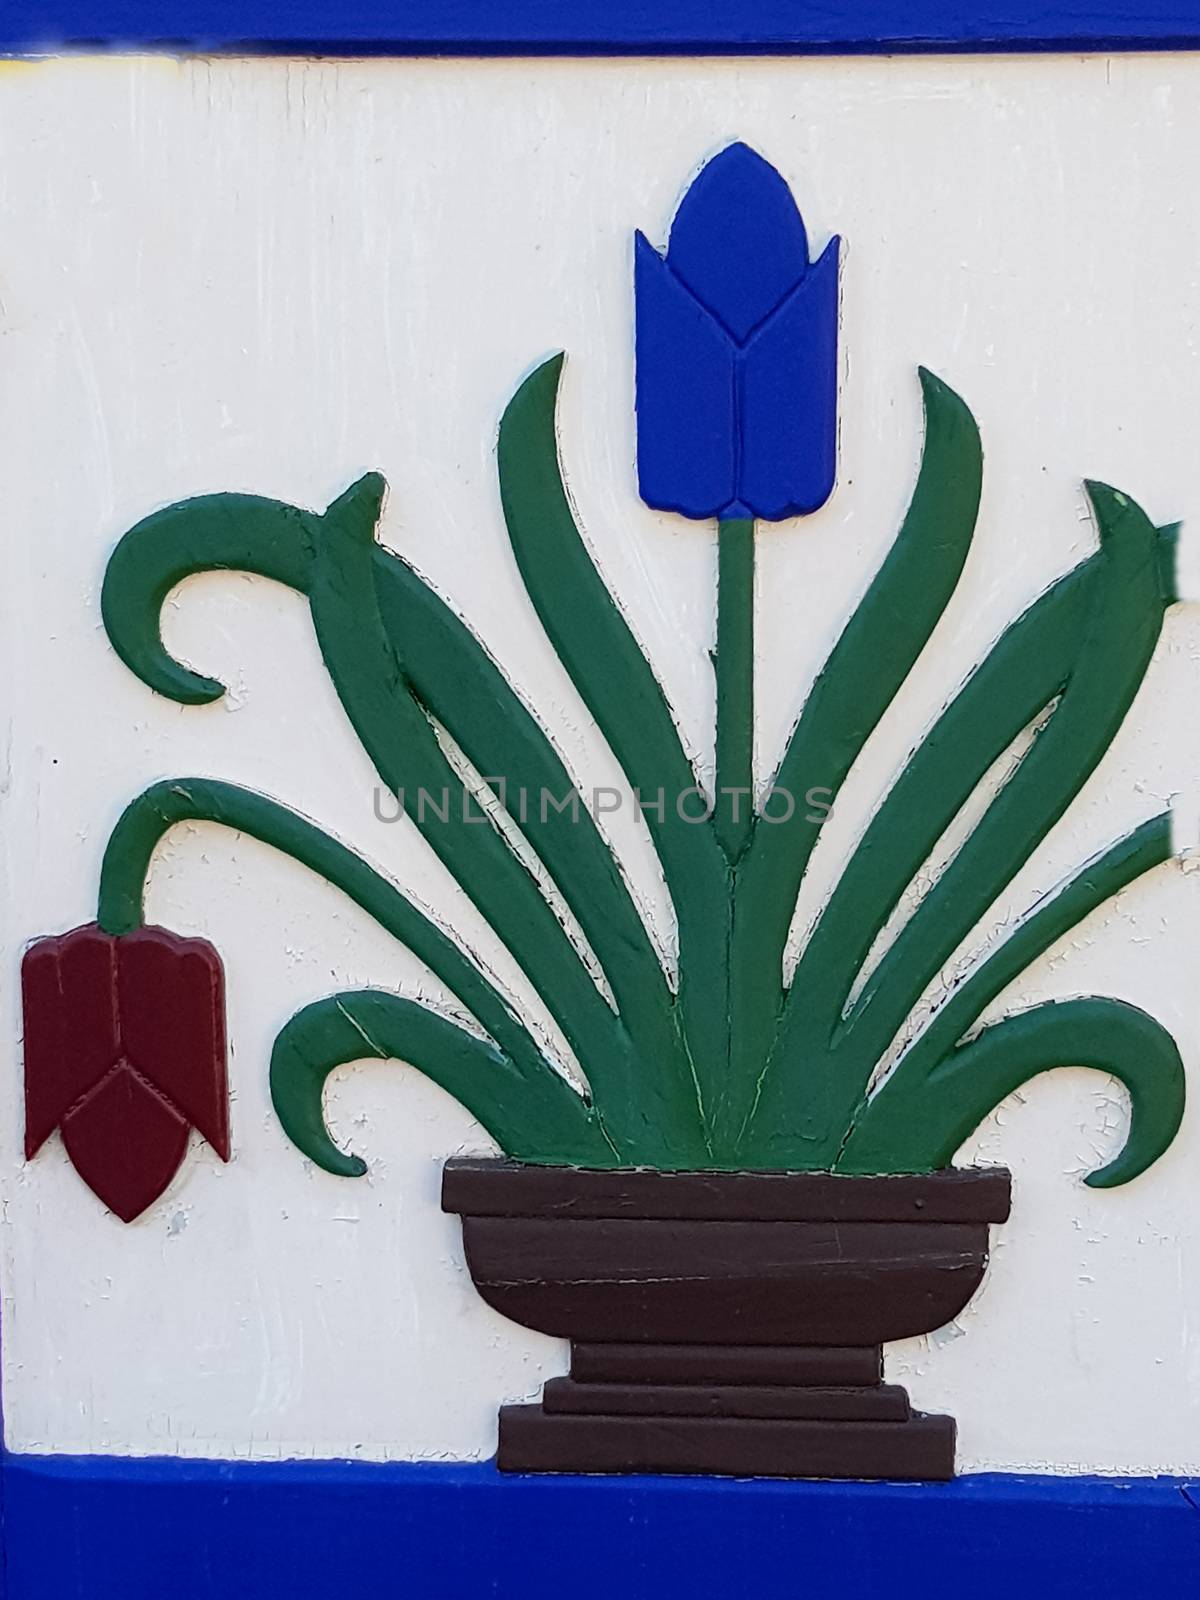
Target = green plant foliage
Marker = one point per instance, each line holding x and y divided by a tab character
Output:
865	669
728	1066
524	1110
1083	648
533	1094
919	1126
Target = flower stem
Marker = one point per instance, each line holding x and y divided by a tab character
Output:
734	662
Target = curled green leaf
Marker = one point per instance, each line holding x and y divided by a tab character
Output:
532	1114
213	533
921	1131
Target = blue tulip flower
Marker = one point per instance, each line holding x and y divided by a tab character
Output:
736	352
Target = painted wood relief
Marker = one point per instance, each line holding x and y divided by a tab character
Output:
747	1198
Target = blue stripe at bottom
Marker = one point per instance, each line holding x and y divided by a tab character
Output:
102	1528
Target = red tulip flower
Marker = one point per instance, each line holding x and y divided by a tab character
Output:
125	1054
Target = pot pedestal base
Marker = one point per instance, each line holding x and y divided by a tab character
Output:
740	1412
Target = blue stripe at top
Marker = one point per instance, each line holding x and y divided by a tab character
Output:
598	27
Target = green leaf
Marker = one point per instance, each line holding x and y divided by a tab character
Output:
158	809
862	675
585	626
876	650
923	1133
456	681
866	668
216	532
616	683
1058	914
532	1113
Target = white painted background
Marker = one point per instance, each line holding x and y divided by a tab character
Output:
271	276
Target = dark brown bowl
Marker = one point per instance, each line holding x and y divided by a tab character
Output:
724	1258
706	1297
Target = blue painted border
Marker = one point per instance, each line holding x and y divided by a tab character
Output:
600	27
112	1529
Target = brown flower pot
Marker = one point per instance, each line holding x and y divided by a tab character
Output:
725	1322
